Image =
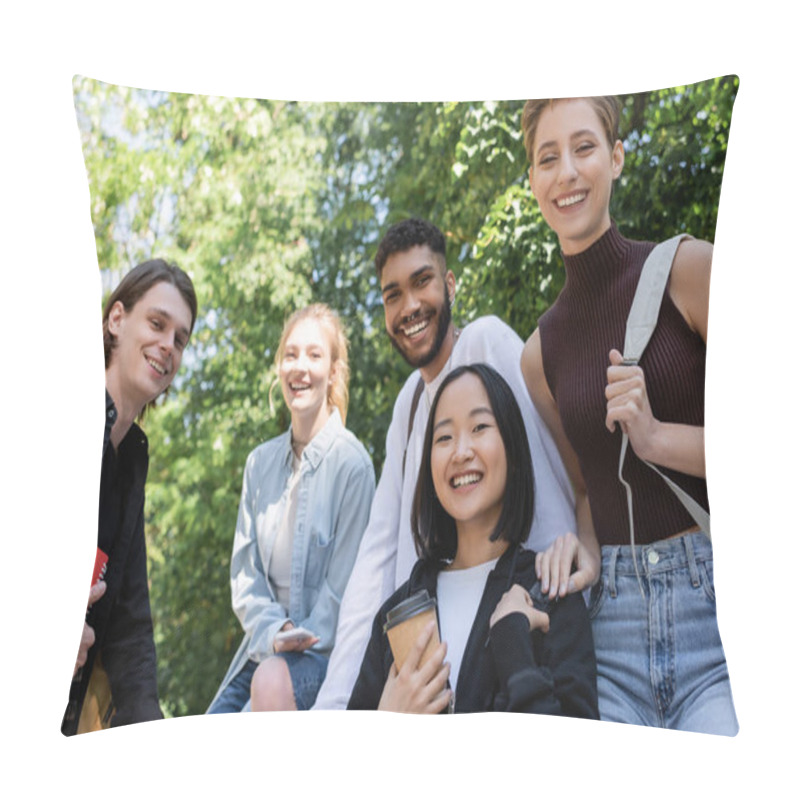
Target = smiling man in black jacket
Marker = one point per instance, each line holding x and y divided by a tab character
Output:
147	322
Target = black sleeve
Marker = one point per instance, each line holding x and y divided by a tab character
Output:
128	650
374	670
553	673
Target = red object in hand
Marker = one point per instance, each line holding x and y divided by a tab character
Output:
100	563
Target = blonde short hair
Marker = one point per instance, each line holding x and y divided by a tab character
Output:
607	109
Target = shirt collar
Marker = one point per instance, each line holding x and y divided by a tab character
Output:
111	409
134	434
316	449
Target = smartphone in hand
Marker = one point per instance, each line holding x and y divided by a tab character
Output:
294	635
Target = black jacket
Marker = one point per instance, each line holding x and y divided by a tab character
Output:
509	668
121	619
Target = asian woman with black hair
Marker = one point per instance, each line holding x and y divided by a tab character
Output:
508	648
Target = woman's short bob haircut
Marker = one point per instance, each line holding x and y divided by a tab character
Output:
136	284
433	528
607	109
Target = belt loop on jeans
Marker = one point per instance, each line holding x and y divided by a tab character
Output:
689	547
612	571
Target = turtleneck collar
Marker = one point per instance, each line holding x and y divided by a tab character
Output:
607	255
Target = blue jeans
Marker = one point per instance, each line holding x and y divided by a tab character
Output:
660	660
307	670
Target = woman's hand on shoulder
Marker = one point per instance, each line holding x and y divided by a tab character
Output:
416	689
518	600
554	566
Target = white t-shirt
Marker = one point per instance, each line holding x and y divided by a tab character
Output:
386	553
458	595
280	565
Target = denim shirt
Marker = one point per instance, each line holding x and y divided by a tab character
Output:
334	495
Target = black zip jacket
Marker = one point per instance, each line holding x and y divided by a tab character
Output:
121	619
509	668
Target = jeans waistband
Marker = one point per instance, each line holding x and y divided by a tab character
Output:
681	552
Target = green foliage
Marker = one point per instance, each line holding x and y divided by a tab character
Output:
676	141
270	205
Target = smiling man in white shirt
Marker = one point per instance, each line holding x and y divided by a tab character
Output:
418	290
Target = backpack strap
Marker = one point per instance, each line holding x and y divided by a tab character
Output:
414	403
640	326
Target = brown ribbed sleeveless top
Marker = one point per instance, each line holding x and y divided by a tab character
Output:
586	321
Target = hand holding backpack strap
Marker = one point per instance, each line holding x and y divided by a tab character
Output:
641	323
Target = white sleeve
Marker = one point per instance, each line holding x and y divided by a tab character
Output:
493	342
372	578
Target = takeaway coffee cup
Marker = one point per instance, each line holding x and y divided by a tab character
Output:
405	622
